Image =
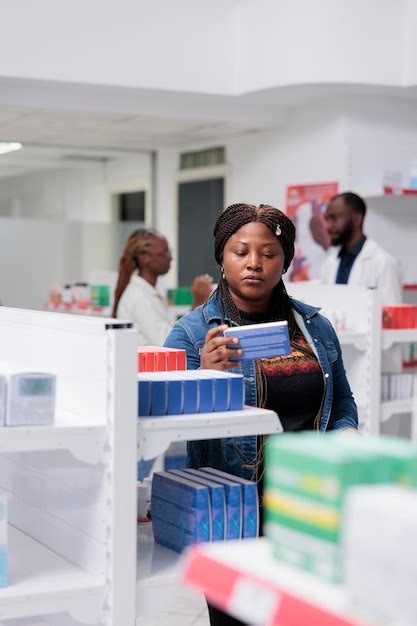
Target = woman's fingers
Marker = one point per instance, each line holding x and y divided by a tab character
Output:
221	342
219	350
222	353
217	330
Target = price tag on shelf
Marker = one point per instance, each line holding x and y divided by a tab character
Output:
252	602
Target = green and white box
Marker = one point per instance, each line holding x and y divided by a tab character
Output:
307	477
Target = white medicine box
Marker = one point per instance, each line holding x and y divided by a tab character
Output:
27	398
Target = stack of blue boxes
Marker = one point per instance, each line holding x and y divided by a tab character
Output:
190	506
192	391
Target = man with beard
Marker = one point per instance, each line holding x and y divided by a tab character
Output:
355	259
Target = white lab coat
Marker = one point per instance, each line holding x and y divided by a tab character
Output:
373	268
142	304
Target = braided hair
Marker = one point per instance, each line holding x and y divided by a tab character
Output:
233	218
137	243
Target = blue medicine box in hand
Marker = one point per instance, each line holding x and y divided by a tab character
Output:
260	341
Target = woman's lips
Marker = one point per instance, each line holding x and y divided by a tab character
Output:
253	280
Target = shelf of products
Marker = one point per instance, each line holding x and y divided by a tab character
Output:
390	337
156	434
245	580
41	582
403	191
92	311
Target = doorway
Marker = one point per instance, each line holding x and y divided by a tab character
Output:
200	203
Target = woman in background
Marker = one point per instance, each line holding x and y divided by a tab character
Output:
146	257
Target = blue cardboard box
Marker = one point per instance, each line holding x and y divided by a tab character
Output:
158	391
261	340
221	388
181	511
250	526
217	499
206	404
233	493
144	401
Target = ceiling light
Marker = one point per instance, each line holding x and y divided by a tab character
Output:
9	147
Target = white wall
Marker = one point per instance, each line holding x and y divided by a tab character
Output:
218	47
381	137
311	148
392	223
33	253
183	45
304	42
80	194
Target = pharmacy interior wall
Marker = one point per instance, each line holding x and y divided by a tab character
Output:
315	43
133	44
218	47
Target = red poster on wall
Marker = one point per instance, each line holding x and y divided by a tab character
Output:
305	205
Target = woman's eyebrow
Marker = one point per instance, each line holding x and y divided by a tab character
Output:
265	243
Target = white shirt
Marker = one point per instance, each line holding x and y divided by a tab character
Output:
143	304
373	268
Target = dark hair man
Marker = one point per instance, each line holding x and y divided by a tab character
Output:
354	258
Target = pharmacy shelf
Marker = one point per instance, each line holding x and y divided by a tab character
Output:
389	408
154	561
390	337
92	311
245	580
394	204
159	589
156	433
352	338
41	582
84	441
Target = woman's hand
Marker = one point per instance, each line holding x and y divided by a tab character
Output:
217	350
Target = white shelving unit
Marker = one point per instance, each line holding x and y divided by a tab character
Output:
157	566
360	342
156	434
42	582
390	338
246	581
363	348
71	487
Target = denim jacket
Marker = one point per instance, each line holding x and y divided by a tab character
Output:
338	408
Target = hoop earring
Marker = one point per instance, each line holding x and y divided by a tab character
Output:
223	272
